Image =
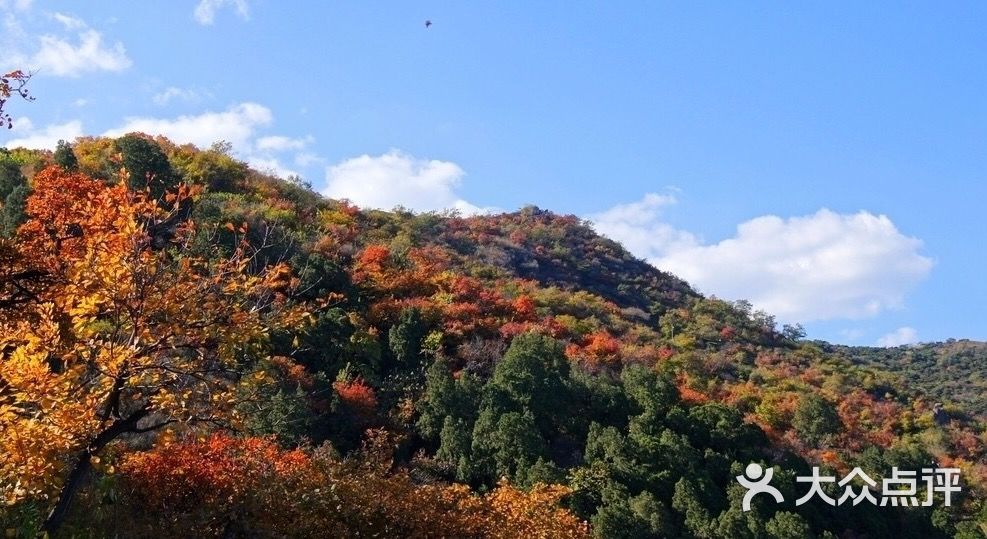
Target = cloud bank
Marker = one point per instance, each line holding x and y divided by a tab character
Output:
42	139
899	337
62	56
399	179
236	125
815	267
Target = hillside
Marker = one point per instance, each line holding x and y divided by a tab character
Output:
203	341
953	372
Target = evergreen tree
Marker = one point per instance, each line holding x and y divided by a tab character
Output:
786	525
406	338
10	175
12	214
65	157
507	444
648	390
454	441
815	419
438	404
146	164
534	375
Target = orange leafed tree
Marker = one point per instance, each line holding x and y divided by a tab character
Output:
222	486
129	334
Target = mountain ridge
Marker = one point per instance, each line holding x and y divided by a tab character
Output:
526	347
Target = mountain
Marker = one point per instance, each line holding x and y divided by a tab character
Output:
451	374
953	372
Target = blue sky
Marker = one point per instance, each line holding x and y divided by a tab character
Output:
825	161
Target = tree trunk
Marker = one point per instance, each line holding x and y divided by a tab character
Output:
72	485
83	464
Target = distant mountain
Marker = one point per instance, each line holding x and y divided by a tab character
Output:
953	372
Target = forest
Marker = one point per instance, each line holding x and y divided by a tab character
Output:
191	347
954	370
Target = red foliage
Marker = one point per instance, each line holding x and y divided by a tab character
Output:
358	396
602	346
374	258
524	308
597	348
293	371
689	394
210	472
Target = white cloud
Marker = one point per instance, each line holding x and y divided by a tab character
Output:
899	337
22	125
70	49
12	39
398	179
304	159
205	11
16	5
278	143
81	102
271	165
265	149
815	267
61	57
69	22
173	92
638	226
43	139
237	125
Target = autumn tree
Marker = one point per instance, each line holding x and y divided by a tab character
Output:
216	168
126	339
11	84
223	486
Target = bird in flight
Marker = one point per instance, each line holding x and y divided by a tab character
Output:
428	23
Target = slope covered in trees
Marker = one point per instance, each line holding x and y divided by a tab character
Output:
954	372
190	344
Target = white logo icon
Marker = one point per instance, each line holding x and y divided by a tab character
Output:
757	481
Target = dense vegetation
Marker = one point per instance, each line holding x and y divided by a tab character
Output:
192	346
954	372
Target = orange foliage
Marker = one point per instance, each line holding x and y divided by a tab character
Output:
223	485
692	396
358	396
598	348
294	372
524	308
127	338
687	393
867	422
665	353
